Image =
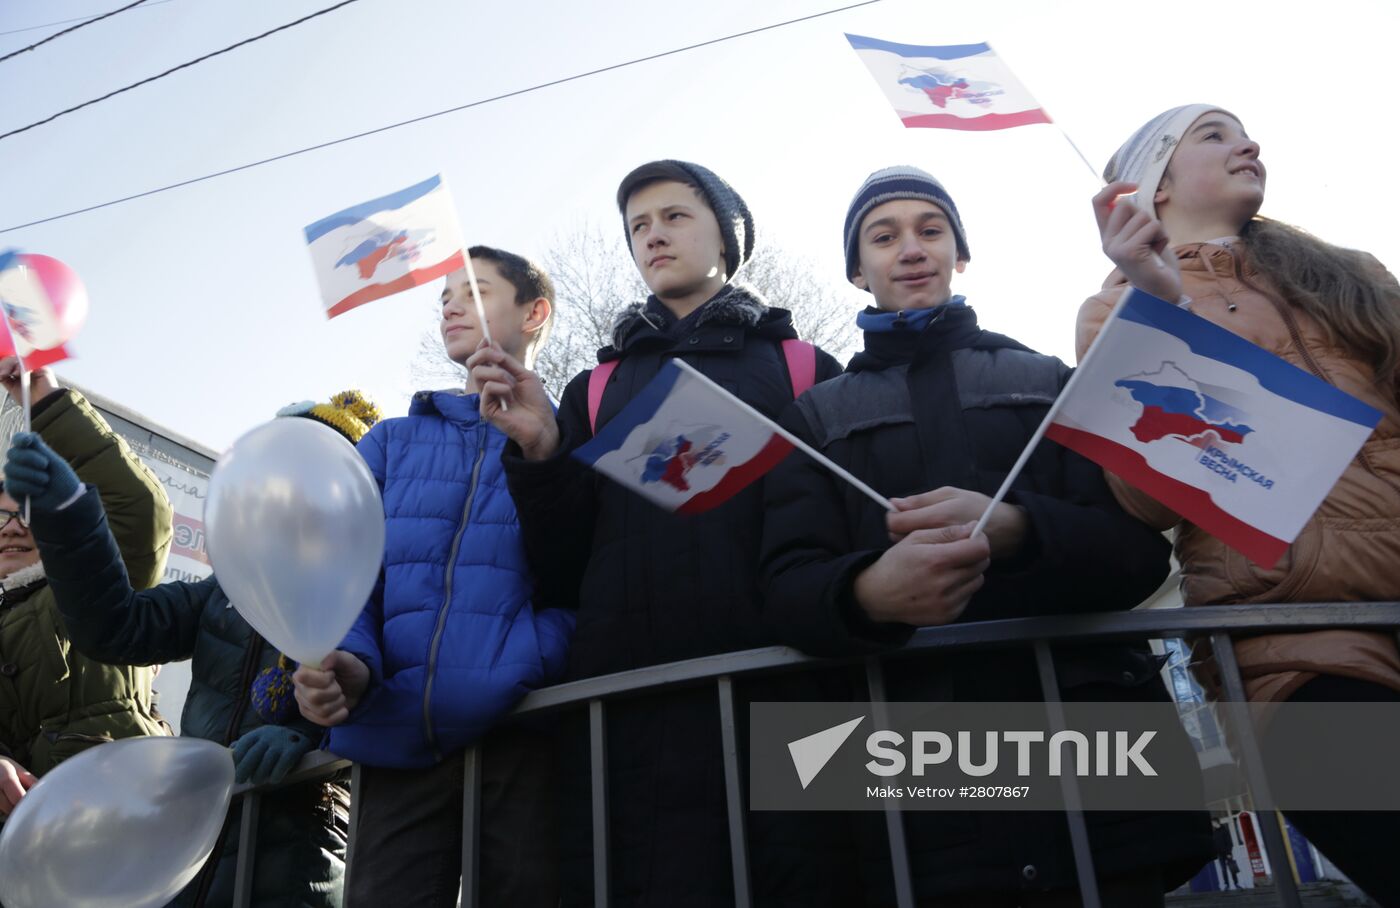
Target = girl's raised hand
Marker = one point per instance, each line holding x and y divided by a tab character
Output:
1137	243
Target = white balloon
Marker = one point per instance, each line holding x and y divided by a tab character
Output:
121	825
295	530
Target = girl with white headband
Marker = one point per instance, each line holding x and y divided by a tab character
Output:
1191	233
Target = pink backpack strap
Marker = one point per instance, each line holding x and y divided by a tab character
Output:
802	365
597	384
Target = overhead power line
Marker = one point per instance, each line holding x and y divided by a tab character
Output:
30	28
68	31
440	113
175	69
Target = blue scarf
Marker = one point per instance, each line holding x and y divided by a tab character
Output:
879	322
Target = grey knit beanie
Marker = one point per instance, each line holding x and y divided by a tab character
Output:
735	221
900	182
1143	159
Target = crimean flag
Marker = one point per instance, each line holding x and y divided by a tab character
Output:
685	443
43	303
1234	439
386	245
959	86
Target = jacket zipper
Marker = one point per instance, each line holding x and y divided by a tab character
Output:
245	680
447	599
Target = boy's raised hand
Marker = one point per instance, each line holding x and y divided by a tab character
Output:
326	695
950	507
34	471
927	578
1137	243
41	381
527	416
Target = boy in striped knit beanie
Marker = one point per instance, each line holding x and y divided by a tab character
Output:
932	413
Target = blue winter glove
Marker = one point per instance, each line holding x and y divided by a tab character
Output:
266	754
35	472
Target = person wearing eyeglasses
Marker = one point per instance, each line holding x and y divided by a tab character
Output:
55	702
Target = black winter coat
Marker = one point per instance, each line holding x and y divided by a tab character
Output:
954	405
302	828
653	587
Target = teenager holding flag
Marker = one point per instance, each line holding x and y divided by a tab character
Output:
452	637
654	586
1191	234
935	411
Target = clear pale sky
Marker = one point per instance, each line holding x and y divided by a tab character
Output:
205	313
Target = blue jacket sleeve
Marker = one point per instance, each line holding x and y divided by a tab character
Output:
366	637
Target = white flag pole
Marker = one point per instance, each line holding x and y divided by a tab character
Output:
796	442
471	279
24	396
28	422
480	309
27	426
476	295
1098	177
1051	414
467	263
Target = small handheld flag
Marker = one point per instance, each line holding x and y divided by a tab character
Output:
1234	439
961	86
688	445
386	245
44	304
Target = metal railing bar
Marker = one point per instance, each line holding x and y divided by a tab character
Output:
1237	707
356	781
598	765
1069	783
316	765
471	826
1217	621
894	815
1012	631
247	851
734	794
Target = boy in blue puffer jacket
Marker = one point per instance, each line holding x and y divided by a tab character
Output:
452	637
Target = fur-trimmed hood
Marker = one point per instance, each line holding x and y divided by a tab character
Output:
17	581
735	304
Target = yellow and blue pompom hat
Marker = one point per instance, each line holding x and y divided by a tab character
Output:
274	697
351	414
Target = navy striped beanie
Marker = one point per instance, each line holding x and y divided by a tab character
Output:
735	222
901	182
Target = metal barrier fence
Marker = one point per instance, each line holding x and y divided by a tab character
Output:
1217	623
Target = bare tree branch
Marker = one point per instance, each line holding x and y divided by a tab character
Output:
594	279
430	367
790	282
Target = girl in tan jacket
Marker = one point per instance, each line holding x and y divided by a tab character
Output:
1191	233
